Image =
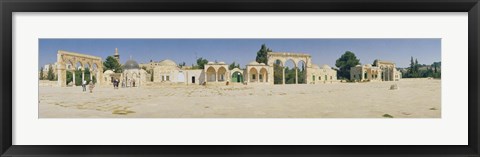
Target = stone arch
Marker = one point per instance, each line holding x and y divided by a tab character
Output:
253	74
221	74
78	65
301	73
211	74
263	75
76	60
290	72
272	58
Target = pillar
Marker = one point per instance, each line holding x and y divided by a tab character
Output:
61	77
91	76
296	75
73	73
83	76
283	75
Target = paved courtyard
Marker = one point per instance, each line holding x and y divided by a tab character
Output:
415	98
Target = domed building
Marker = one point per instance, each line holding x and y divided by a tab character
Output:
167	71
132	74
324	74
258	73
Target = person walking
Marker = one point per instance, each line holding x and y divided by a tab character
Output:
84	85
115	84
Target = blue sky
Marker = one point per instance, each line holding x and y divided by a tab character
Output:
323	51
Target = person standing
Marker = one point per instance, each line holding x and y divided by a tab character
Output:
84	85
91	86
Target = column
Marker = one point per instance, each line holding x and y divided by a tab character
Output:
73	73
283	75
91	76
296	75
83	76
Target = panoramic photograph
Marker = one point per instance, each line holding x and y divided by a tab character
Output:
240	78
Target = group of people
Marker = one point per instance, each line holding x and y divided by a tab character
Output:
116	83
91	85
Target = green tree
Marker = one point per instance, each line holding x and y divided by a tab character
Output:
69	77
87	75
78	77
262	54
277	74
41	74
50	74
344	63
111	63
201	63
233	66
182	64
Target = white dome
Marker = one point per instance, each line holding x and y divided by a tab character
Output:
262	63
108	72
253	63
221	62
368	65
210	63
167	62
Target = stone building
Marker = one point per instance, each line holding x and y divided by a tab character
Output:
46	67
167	71
324	74
380	71
216	72
133	75
258	73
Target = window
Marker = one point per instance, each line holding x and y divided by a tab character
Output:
163	78
313	78
260	76
320	78
253	76
168	78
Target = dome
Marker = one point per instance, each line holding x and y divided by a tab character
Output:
210	63
326	66
167	62
262	63
253	63
107	72
315	66
131	64
368	65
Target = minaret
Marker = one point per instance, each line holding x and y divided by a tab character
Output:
116	56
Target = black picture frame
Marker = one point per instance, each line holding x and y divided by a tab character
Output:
7	7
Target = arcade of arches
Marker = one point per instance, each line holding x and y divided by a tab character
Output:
70	61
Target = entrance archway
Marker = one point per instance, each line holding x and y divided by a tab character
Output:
253	75
301	72
263	75
221	74
290	72
237	77
211	74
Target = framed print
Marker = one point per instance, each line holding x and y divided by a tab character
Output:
319	78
